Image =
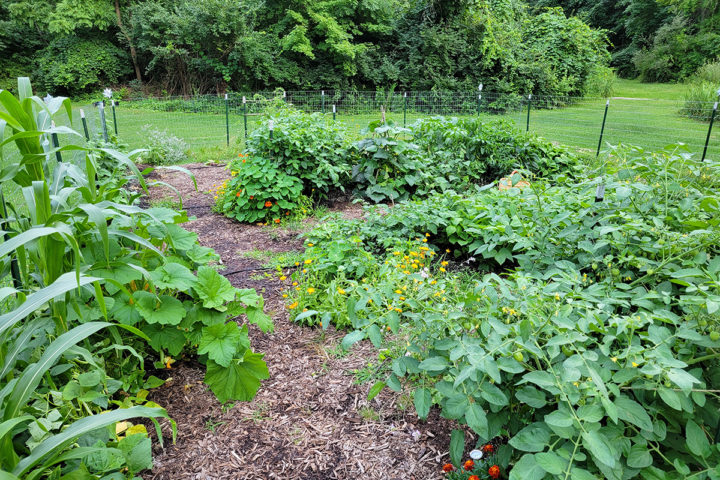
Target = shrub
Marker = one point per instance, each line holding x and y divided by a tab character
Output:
258	191
600	82
164	148
699	99
72	65
306	146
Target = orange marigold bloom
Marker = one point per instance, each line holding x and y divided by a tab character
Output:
494	471
473	477
468	465
238	194
277	220
252	197
488	448
268	204
448	467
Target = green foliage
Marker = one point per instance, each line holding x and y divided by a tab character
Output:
70	65
82	259
588	336
258	191
305	146
163	148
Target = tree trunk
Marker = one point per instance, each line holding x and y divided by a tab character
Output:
133	52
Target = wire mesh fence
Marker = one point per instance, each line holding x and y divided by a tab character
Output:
206	121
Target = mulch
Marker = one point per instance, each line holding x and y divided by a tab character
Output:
310	420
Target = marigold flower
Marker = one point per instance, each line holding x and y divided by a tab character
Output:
473	477
468	465
341	291
268	204
277	220
308	261
311	290
448	467
292	306
488	448
311	244
283	277
494	471
442	269
252	197
443	263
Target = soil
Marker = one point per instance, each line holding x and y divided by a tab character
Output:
311	420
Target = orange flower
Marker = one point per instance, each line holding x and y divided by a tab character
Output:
252	197
268	204
287	213
448	467
277	220
238	194
473	477
488	448
468	465
494	471
243	160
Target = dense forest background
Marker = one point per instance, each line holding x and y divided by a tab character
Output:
188	46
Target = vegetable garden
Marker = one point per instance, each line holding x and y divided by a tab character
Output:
507	307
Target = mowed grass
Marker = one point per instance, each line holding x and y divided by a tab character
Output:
647	115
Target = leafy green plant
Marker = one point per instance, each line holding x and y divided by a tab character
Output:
258	191
163	148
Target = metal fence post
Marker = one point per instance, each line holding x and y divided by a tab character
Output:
707	139
103	123
84	124
271	127
527	124
405	109
112	103
245	115
480	87
602	129
333	112
322	99
56	143
227	121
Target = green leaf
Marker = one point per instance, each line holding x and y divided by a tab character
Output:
434	365
533	438
527	468
493	394
631	411
222	341
214	289
681	378
531	396
477	420
173	275
352	338
259	318
670	397
551	462
601	448
162	337
137	450
240	380
697	441
422	399
639	457
375	390
162	309
457	446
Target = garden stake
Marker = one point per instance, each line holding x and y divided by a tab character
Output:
333	112
600	193
245	115
480	87
112	103
271	127
84	123
707	139
602	129
527	124
322	98
227	121
405	110
101	108
56	144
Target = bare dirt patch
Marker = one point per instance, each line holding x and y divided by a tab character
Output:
311	419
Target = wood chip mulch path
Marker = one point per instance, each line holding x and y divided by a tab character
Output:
311	420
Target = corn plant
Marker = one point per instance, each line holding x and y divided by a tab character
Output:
95	273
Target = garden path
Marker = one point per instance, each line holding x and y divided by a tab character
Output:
311	419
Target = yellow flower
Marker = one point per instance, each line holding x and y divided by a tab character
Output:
304	270
283	277
427	234
311	290
433	282
442	269
396	253
398	291
399	310
294	284
634	364
284	295
292	306
424	240
614	359
406	272
297	264
402	298
557	296
447	250
308	261
443	263
311	244
341	291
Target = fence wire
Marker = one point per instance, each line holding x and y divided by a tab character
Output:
209	121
